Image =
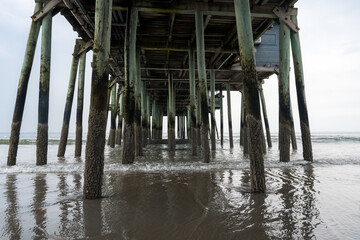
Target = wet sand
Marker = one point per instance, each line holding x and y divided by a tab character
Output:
302	202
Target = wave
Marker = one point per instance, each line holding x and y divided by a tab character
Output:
33	141
155	167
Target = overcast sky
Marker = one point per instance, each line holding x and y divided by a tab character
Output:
330	47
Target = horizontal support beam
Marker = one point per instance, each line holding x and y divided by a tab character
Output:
47	8
285	17
233	69
189	7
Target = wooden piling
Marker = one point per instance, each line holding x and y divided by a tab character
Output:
284	94
251	95
128	151
144	117
229	115
212	108
221	117
293	135
80	105
43	111
171	113
138	126
200	46
198	119
242	121
148	116
94	157
22	88
69	101
188	125
119	128
300	90
154	120
193	109
266	121
114	107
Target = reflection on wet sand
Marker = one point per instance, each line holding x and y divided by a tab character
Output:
39	206
13	225
167	205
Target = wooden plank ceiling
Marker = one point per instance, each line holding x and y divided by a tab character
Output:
166	28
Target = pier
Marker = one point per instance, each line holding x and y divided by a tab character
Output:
173	59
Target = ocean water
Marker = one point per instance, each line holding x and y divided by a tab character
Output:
175	196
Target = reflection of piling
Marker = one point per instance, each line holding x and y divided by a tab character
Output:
22	89
43	111
69	101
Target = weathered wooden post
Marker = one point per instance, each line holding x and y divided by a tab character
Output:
266	121
293	135
193	110
212	107
160	122
22	88
242	121
198	119
300	90
221	117
120	120
171	113
251	95
128	153
144	117
148	116
154	120
188	124
69	101
284	94
114	107
229	115
80	105
94	156
200	46
138	126
43	113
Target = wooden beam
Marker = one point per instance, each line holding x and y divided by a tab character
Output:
43	111
284	93
22	89
251	95
300	91
281	13
80	105
190	7
94	158
200	46
47	8
69	101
